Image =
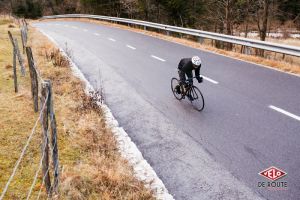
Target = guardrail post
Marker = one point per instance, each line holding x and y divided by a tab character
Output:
242	49
247	50
200	40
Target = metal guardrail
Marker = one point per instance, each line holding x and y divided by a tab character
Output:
269	46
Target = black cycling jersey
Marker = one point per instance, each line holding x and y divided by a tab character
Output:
185	65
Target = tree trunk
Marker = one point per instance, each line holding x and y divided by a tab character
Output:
228	22
263	27
246	24
158	12
181	21
263	31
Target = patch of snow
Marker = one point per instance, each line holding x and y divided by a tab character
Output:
271	35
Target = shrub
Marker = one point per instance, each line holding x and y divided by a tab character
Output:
28	9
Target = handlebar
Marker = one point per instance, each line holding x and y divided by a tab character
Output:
187	80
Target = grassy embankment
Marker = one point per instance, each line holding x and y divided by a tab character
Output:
288	63
90	165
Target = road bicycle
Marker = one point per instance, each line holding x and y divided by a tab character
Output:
188	90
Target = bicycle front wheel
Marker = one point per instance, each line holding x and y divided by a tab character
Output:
197	99
176	89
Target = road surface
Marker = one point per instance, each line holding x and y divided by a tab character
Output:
250	122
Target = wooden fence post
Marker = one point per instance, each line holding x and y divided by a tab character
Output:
14	42
20	59
53	140
15	70
23	39
26	25
14	61
24	31
45	140
11	38
34	79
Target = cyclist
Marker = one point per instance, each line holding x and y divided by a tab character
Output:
185	68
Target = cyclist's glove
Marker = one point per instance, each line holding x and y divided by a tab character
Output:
199	79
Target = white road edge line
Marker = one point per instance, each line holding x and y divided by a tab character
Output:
210	80
75	27
97	34
131	47
158	58
111	39
285	112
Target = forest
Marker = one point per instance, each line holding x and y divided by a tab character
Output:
222	16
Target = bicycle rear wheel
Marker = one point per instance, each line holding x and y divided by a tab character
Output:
197	98
177	93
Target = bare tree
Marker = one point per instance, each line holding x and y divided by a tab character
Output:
262	17
224	14
130	7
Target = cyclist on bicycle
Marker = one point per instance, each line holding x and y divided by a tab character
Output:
186	67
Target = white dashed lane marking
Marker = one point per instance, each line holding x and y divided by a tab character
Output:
111	39
210	80
158	58
131	47
285	112
97	34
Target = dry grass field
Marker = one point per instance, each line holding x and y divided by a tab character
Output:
91	166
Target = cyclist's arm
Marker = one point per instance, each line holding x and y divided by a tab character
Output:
197	72
180	64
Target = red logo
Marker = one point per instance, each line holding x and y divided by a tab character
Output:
273	173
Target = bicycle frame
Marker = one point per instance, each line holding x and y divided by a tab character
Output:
192	92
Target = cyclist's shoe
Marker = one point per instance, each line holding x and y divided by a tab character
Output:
177	89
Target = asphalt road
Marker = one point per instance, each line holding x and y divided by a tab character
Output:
250	122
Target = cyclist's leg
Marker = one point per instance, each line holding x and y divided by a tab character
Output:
182	79
181	76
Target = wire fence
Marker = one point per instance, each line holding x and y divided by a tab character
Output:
46	118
